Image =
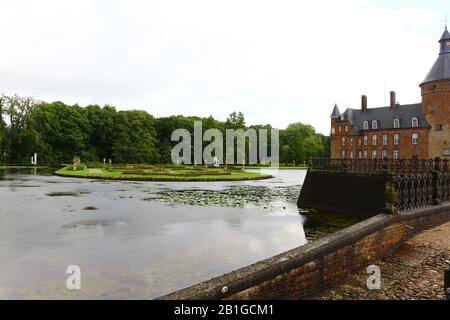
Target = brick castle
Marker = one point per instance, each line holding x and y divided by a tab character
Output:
419	130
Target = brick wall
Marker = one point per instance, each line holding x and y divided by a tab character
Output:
436	108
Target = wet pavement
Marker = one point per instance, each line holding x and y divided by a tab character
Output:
137	240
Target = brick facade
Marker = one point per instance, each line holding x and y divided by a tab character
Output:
355	146
436	108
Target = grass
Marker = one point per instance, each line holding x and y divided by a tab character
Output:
161	173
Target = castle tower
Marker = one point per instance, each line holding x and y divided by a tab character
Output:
436	101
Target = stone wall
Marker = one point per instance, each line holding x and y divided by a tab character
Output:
354	193
313	267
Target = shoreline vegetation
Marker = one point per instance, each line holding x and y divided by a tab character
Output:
23	167
160	173
57	132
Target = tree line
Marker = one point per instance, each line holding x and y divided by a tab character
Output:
57	132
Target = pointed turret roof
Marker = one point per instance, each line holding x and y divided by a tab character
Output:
336	113
441	68
445	35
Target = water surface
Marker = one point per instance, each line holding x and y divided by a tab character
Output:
143	239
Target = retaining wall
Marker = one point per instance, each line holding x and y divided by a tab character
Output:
356	193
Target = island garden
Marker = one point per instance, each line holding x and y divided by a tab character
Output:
160	173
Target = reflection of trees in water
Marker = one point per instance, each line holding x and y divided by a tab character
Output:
232	196
319	224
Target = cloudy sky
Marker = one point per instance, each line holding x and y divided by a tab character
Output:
277	61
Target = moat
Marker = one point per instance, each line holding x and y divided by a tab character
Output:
143	239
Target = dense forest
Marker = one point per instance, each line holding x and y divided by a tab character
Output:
57	132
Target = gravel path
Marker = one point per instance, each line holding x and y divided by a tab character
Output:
414	271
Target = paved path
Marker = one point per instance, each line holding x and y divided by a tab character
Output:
414	271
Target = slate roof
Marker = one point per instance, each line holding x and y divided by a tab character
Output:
336	113
441	68
385	117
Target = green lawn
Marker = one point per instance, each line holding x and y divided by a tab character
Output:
162	174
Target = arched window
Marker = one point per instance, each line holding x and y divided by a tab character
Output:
366	125
374	124
414	122
396	123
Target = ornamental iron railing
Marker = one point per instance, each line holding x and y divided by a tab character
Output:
381	165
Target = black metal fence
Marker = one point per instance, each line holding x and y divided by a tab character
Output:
381	165
414	183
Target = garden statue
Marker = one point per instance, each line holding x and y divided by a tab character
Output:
76	162
34	160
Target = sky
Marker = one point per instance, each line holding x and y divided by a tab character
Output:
278	62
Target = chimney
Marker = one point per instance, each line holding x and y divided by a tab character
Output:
393	99
364	103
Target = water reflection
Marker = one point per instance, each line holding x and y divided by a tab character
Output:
142	239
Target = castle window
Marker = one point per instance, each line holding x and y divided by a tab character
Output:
438	127
340	129
346	128
396	123
374	124
384	154
365	140
351	154
360	154
396	154
366	125
374	154
351	141
365	154
385	139
343	154
374	140
396	139
415	138
446	152
343	141
415	122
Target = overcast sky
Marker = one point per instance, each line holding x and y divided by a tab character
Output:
279	62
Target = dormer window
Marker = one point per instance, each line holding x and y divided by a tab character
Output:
366	125
396	123
414	122
374	124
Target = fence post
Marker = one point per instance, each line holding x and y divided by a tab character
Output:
436	181
390	195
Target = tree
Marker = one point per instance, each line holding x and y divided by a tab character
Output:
62	131
299	143
18	136
235	120
135	138
100	132
2	128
